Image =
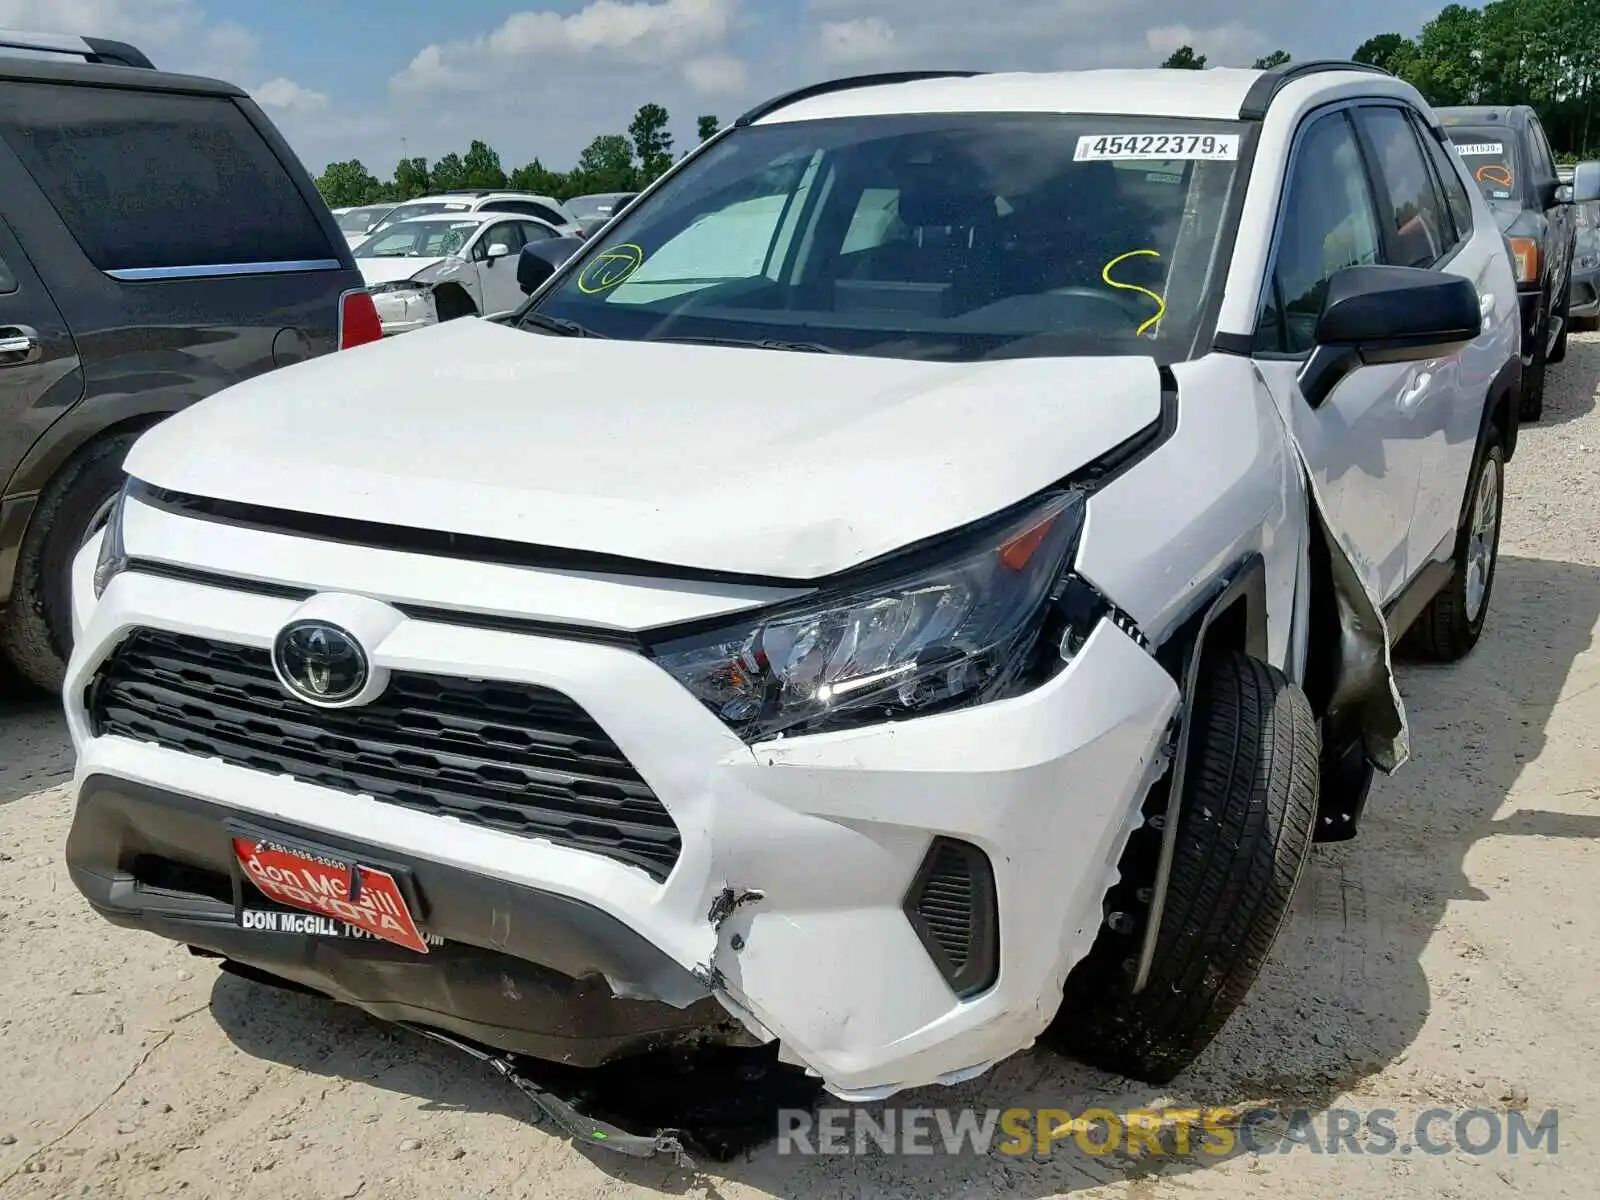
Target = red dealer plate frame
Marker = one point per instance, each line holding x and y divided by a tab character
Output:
366	898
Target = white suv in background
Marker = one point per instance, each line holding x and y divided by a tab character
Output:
473	200
945	618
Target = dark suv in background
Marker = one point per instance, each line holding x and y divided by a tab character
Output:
158	242
1505	150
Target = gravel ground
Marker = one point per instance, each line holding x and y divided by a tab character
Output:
1438	961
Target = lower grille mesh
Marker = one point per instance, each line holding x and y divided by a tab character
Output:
509	756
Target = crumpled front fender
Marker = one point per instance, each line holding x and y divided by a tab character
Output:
1366	696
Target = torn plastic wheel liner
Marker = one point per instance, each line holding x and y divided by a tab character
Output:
567	1118
706	1102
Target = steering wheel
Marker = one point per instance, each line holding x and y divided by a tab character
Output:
1134	305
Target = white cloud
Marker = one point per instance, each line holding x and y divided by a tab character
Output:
281	93
858	41
622	31
716	74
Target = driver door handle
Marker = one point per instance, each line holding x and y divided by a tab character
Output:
1417	390
19	345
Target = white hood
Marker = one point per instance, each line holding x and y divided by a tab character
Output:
783	464
387	270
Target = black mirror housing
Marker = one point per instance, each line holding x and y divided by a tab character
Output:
1382	314
539	260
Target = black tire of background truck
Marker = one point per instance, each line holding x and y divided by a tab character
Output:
1558	352
1444	633
1533	375
1244	832
36	630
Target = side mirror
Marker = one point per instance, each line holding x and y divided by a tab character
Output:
533	269
1586	182
497	250
540	259
1385	315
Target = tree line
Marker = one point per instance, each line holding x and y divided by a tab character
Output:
1543	53
613	162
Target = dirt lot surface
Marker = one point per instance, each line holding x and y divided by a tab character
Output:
1445	959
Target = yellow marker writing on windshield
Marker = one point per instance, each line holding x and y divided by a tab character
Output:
1161	305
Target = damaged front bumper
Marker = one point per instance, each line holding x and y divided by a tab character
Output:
895	906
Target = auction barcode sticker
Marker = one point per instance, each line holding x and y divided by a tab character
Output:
1480	148
1216	147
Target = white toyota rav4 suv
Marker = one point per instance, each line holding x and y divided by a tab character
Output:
918	584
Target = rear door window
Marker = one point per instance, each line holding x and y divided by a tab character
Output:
1455	191
1417	228
150	180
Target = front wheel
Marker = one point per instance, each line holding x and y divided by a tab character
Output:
1245	828
1452	623
36	631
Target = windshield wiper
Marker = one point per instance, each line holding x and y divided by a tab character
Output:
558	325
755	343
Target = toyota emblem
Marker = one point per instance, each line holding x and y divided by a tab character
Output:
320	663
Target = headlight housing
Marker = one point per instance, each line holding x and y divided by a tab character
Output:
113	558
397	285
921	639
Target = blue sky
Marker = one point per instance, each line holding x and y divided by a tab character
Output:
372	80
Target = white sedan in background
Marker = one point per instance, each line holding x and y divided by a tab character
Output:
444	265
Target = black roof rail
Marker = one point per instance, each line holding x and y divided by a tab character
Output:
1265	88
90	49
844	85
468	191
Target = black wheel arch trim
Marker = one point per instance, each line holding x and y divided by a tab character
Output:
1184	648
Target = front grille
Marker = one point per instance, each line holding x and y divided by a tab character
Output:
509	756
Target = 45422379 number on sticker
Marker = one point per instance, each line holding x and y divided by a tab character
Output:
1213	147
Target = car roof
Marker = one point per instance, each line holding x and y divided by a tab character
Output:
1221	93
1482	114
19	69
1215	94
482	218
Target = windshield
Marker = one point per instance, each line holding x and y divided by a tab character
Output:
589	208
954	237
421	209
418	239
1490	156
359	220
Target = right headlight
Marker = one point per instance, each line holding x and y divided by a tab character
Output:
973	627
113	558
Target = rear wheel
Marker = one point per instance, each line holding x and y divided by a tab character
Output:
1450	626
36	630
1244	831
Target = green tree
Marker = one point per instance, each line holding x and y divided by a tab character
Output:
1387	50
448	173
651	141
348	183
1185	59
606	165
481	167
411	178
536	177
706	126
1277	58
1449	63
